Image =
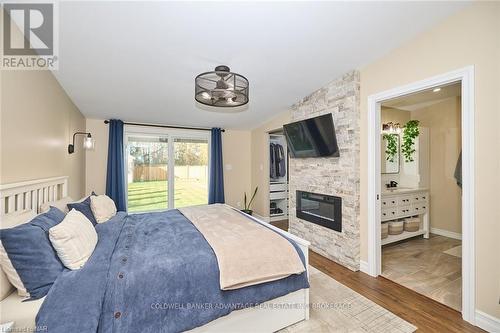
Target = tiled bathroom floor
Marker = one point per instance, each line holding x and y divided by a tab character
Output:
421	265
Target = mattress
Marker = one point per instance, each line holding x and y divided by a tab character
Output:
13	309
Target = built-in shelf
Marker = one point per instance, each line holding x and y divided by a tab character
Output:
278	187
404	235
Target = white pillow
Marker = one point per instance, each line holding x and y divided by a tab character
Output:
103	207
61	204
74	239
8	273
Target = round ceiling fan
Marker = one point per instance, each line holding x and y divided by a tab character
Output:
221	88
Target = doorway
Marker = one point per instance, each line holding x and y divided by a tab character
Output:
464	77
421	192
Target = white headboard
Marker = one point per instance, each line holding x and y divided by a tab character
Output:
30	195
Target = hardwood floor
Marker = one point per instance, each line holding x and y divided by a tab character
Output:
423	312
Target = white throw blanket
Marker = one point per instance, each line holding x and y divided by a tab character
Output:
247	252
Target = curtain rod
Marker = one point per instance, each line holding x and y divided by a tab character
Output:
167	126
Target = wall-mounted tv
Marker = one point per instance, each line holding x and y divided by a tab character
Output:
313	137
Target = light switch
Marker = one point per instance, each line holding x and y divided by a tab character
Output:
229	167
261	167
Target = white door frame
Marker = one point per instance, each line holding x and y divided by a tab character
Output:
466	77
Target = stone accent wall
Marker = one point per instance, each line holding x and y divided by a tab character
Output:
339	176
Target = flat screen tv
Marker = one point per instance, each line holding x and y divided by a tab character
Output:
313	137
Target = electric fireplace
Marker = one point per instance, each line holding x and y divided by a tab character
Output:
324	210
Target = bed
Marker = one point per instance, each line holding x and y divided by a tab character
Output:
264	307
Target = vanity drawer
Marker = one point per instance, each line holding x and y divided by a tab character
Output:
418	198
389	202
404	200
420	208
389	214
405	210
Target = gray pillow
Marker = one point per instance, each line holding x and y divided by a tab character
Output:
84	208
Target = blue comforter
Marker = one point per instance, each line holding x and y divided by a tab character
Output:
151	272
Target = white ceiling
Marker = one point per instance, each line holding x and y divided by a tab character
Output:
424	98
137	60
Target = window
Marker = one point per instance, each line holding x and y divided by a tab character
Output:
167	169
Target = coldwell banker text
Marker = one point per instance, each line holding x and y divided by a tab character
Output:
30	38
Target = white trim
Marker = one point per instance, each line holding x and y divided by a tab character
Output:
446	233
466	77
363	266
487	322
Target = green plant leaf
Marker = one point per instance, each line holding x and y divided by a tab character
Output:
410	133
392	146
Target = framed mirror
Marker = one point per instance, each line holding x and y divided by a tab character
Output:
390	151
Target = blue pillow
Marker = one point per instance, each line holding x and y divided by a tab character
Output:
29	249
84	208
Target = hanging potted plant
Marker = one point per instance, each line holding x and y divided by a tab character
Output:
410	133
392	146
247	209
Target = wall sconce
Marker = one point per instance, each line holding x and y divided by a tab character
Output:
391	128
88	142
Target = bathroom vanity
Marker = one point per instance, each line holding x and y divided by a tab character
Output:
400	203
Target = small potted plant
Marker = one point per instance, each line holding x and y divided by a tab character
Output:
247	209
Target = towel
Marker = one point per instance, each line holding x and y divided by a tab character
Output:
458	171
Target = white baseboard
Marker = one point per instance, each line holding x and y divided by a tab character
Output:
446	233
487	322
363	266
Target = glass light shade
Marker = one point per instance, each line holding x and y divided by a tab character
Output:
88	143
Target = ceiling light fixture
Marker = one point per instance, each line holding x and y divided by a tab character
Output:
436	89
221	88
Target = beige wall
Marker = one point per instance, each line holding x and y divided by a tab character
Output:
394	115
236	155
443	121
37	123
260	160
470	37
97	159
